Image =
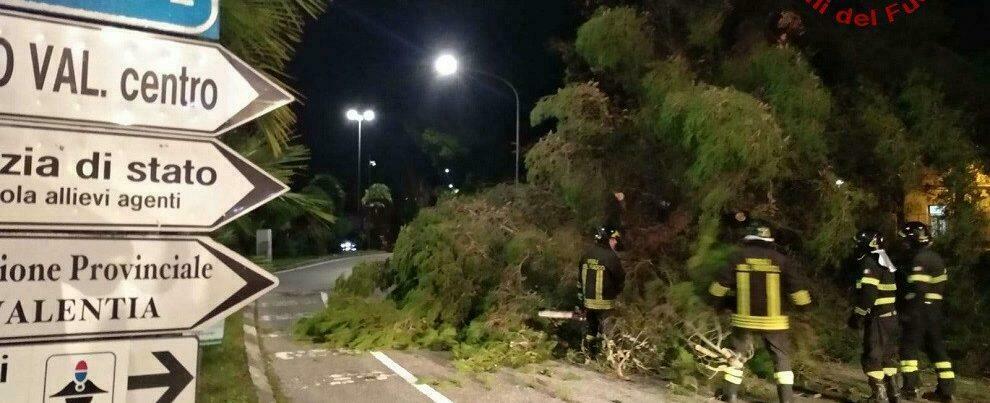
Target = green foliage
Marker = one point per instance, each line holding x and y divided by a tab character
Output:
510	349
441	148
570	160
730	133
365	279
791	87
581	112
695	118
761	364
573	172
616	41
837	217
302	220
264	33
364	324
467	274
377	195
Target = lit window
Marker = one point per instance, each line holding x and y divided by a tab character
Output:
939	223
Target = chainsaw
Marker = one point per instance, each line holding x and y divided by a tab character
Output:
576	314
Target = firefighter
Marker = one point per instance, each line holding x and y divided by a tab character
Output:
600	280
927	280
758	276
874	311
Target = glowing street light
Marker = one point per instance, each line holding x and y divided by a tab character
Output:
360	117
447	65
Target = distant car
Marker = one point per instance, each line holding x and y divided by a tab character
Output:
348	246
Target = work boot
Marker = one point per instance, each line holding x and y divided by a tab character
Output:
785	393
893	388
879	392
909	391
943	392
936	396
730	392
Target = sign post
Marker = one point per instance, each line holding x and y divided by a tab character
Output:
109	129
136	370
58	285
74	74
75	180
186	17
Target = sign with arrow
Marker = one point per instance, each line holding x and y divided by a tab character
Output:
59	285
75	74
159	370
188	17
78	180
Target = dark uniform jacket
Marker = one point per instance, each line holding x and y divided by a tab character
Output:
876	290
600	277
927	278
759	275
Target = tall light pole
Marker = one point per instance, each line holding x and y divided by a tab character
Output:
447	65
355	116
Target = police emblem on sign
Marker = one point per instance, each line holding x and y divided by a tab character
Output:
80	378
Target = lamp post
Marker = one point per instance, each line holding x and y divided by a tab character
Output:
359	117
448	65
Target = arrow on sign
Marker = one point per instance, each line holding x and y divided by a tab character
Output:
175	379
117	370
60	285
61	180
68	73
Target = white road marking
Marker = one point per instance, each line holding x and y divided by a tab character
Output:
279	303
270	318
320	263
317	353
401	372
344	379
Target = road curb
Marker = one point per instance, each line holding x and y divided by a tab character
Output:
256	363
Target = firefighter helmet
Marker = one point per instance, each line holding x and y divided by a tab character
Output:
759	229
868	240
605	233
916	233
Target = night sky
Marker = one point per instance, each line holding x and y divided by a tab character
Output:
379	54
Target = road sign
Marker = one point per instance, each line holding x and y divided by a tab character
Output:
189	17
75	74
139	370
59	285
78	180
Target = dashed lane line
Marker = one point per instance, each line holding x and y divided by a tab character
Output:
409	377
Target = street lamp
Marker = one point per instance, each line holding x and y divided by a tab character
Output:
359	117
447	65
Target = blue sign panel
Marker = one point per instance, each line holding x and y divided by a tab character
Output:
189	17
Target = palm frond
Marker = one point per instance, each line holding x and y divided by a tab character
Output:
264	33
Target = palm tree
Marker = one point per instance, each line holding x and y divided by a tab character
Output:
264	34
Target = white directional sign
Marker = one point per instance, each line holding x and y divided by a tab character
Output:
78	74
159	370
59	285
56	179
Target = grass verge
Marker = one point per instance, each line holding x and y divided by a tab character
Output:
223	375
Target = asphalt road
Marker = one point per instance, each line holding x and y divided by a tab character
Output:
308	372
